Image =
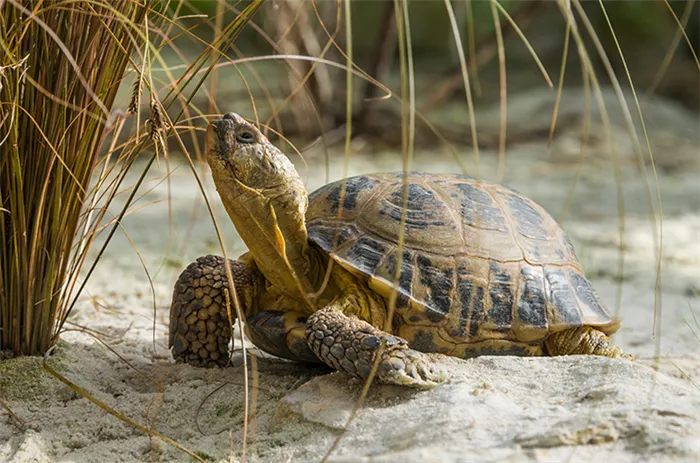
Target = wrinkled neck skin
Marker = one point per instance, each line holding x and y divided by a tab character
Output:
271	221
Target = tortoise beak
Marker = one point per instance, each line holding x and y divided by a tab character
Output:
218	141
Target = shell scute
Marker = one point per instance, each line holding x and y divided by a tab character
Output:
528	221
479	209
531	299
502	287
563	308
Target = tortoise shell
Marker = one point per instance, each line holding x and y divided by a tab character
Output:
482	269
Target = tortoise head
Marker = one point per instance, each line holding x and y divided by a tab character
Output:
238	152
265	198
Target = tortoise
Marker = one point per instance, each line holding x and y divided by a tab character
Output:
384	268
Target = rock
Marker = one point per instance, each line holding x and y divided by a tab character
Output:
506	408
327	400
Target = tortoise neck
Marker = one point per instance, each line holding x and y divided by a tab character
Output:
272	225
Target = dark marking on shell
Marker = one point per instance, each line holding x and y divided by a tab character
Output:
353	187
330	238
419	197
476	314
464	286
478	209
530	223
501	294
559	293
439	286
421	209
366	254
406	274
531	305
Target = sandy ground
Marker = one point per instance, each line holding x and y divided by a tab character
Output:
203	410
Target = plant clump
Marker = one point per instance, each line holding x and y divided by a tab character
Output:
60	69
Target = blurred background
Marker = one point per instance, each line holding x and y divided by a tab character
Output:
306	97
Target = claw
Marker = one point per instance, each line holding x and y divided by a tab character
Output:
412	372
410	368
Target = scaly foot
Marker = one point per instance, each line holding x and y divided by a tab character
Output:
351	345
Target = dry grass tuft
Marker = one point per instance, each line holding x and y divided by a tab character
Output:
62	64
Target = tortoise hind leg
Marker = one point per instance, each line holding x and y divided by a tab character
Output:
583	340
351	345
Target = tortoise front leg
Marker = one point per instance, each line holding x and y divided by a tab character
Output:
200	329
349	344
583	340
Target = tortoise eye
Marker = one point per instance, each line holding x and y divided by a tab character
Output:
245	137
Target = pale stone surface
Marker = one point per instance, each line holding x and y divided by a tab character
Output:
522	409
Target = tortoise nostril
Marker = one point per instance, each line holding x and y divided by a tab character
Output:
229	116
